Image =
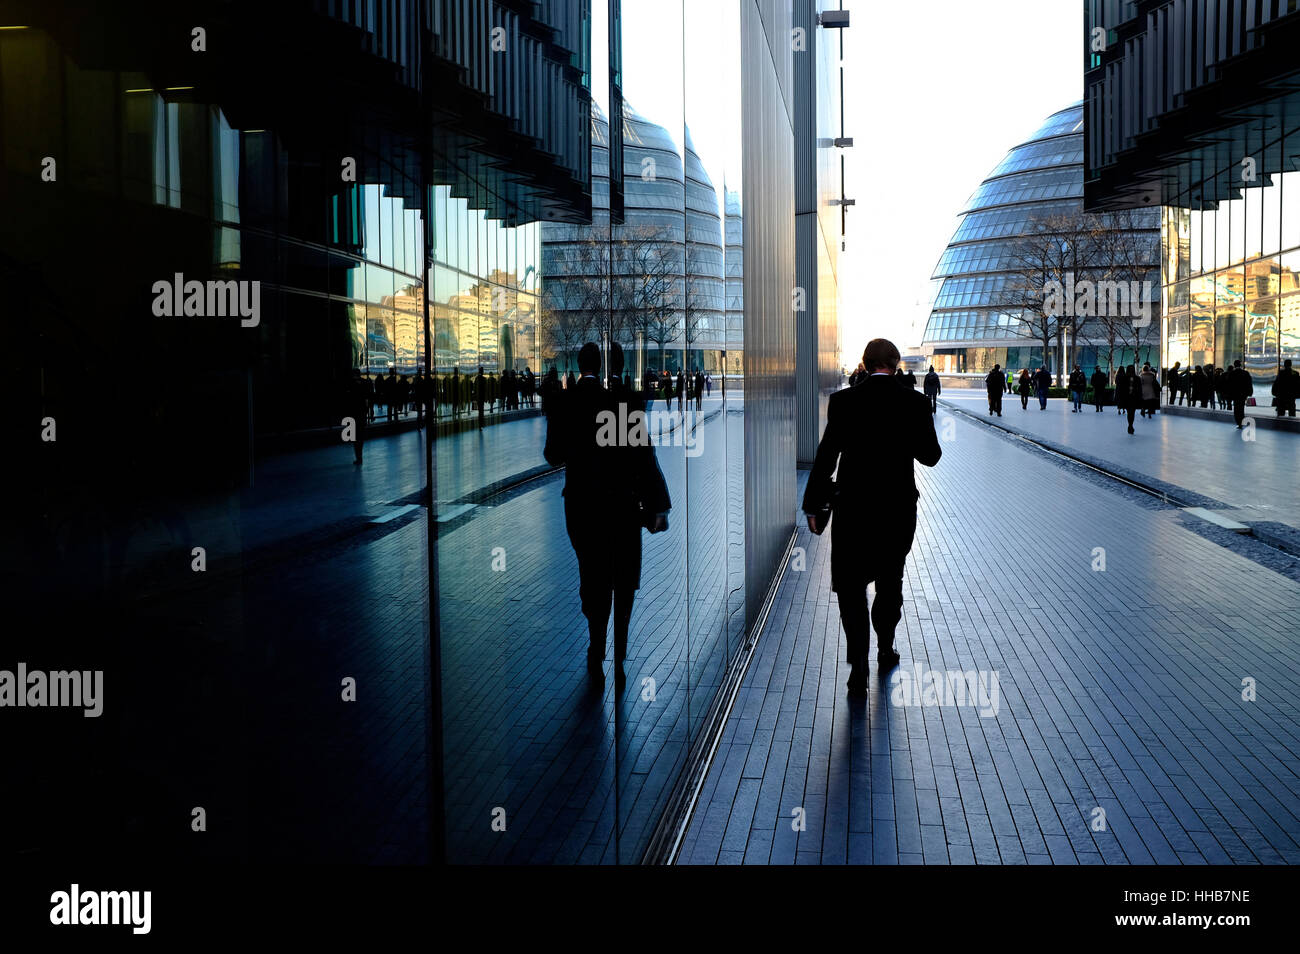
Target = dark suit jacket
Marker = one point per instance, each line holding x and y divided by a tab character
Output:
874	431
604	482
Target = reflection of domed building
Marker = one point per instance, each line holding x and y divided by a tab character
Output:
669	292
972	325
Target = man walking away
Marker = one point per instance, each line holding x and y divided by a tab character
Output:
993	384
1078	382
1099	383
873	434
1286	389
1124	386
1149	382
1042	381
1239	387
932	389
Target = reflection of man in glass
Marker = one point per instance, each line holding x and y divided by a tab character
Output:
612	488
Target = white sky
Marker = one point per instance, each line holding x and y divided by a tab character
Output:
935	94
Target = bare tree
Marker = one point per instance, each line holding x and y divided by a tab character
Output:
1058	249
648	286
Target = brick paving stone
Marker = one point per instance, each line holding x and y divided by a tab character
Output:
1119	690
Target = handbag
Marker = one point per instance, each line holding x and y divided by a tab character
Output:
1250	402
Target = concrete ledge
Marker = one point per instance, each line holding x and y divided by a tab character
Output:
1264	417
1217	519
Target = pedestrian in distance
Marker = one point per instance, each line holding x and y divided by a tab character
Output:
1078	383
1239	386
1125	384
357	402
932	389
1099	382
993	385
862	479
1286	389
481	394
1024	386
1042	381
1149	385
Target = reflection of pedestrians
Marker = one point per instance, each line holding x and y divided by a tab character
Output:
481	393
611	490
1239	386
873	433
1286	389
357	404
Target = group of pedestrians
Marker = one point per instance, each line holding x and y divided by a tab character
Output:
997	382
685	387
1216	388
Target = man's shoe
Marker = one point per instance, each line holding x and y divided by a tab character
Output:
1130	428
857	683
595	666
887	658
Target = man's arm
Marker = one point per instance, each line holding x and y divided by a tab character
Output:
926	449
817	495
556	437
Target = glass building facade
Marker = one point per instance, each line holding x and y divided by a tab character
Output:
666	304
975	315
345	618
1215	140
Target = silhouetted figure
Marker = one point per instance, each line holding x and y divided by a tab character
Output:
873	434
681	390
1098	382
699	389
911	380
1128	393
481	393
993	385
1174	382
1042	381
1078	384
1149	388
1286	389
1025	385
1239	386
932	389
612	489
357	403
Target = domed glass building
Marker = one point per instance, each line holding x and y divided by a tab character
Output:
975	315
677	274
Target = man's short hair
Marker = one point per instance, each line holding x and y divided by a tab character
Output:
589	358
881	353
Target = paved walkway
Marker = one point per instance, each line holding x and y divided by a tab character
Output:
1119	689
1260	477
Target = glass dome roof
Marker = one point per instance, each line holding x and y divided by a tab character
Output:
1039	177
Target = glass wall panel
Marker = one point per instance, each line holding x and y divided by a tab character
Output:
1229	335
712	134
1261	341
647	315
